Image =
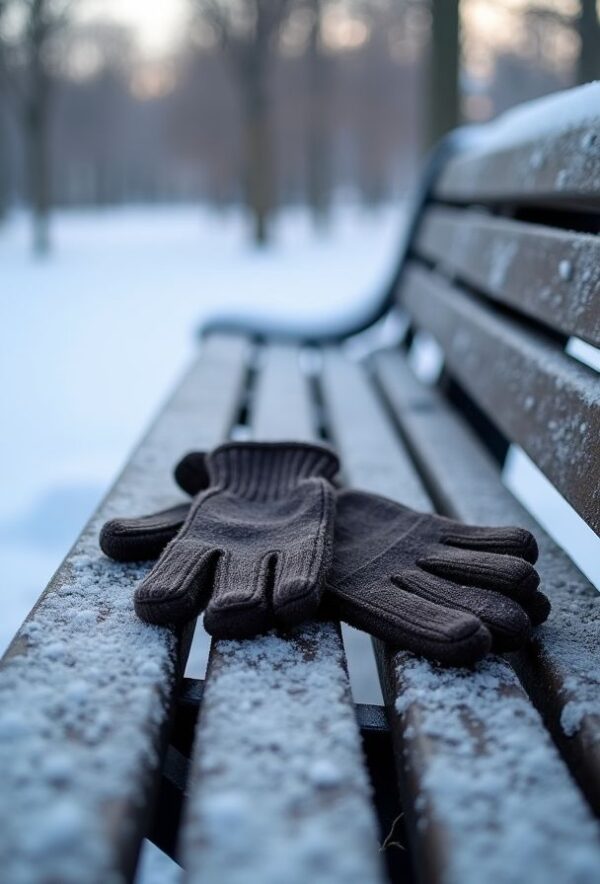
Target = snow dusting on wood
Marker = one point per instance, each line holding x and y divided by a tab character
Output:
280	792
549	146
494	777
85	687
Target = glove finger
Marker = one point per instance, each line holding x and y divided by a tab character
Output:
240	605
511	540
145	537
506	619
395	614
510	575
191	473
305	559
298	586
538	608
178	586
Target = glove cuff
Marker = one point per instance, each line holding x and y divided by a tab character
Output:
266	470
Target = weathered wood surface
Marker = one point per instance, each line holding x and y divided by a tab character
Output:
561	668
85	687
538	396
278	790
477	770
548	274
557	168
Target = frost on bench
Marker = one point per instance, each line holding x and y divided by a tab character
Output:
85	687
485	790
269	705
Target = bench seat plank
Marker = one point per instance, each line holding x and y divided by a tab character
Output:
477	769
278	791
561	668
550	275
538	396
86	687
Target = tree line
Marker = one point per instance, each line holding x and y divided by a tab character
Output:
265	102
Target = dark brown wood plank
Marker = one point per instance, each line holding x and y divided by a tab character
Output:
550	275
85	687
538	396
557	167
561	668
476	767
278	791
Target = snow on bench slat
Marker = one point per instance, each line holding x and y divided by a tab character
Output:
562	668
541	398
85	686
278	790
545	148
552	275
485	791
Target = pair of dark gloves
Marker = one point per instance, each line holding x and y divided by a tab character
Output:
268	540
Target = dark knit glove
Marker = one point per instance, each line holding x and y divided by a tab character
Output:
432	585
253	549
424	583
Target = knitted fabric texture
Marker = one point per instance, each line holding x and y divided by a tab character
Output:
253	549
428	584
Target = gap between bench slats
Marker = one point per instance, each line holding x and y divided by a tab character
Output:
556	169
278	791
561	668
85	688
538	396
550	275
485	790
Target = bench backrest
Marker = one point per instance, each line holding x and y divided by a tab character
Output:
503	269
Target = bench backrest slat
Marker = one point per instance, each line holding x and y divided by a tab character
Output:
551	275
544	152
539	397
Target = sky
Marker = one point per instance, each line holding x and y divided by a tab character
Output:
156	23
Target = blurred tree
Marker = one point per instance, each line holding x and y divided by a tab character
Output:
29	72
248	31
588	27
318	159
43	20
443	94
3	123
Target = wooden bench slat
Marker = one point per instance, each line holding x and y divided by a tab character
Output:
477	770
278	791
561	668
282	408
517	163
551	275
85	687
538	396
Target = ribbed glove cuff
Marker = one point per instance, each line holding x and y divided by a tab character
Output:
267	470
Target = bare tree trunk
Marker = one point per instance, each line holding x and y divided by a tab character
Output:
36	132
318	171
588	27
259	158
4	182
443	98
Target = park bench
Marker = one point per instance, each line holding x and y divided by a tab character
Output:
267	772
